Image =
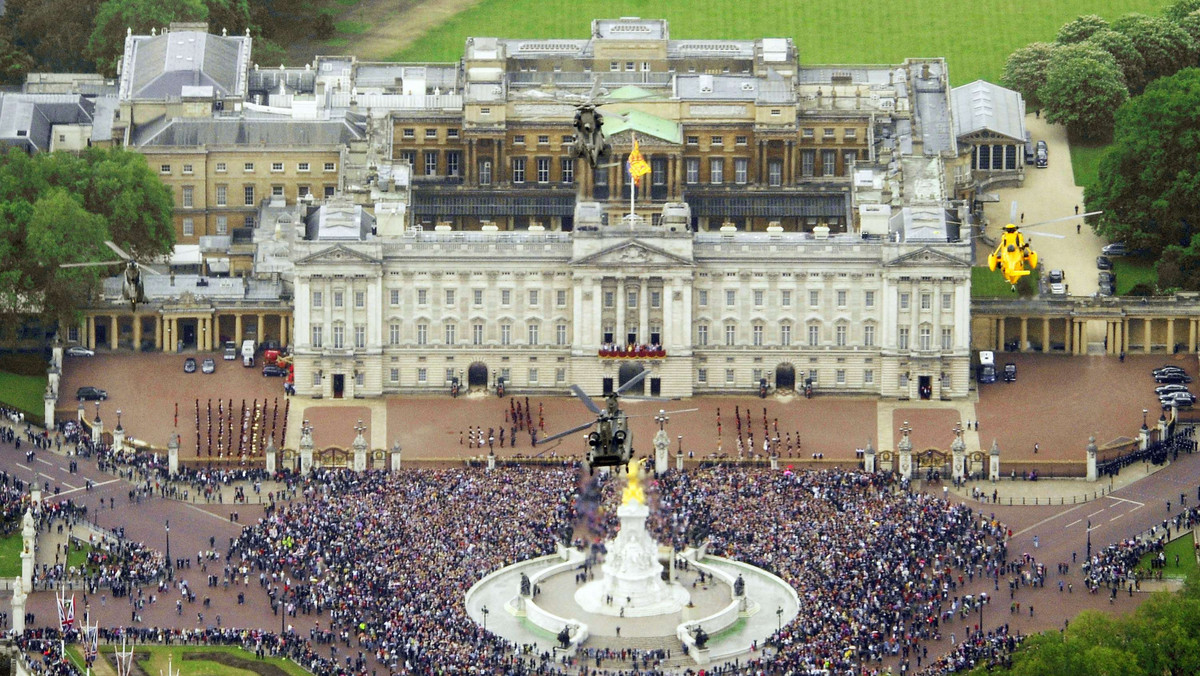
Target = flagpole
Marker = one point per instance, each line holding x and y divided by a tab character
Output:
633	182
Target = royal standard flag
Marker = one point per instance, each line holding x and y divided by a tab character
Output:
638	166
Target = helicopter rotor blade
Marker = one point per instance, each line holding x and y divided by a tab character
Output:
641	397
117	250
560	435
587	401
646	415
1047	234
149	269
1012	213
1059	220
632	382
89	265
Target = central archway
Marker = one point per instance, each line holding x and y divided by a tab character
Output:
785	377
629	371
477	376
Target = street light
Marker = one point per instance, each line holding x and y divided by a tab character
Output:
170	561
118	420
779	619
485	612
1144	412
97	411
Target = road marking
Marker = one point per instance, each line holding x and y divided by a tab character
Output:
44	462
1095	513
1116	517
64	470
24	467
74	489
1132	502
1072	523
69	486
1048	520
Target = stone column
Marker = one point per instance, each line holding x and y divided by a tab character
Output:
91	332
905	450
1162	426
994	463
1191	335
869	458
662	444
158	332
1143	437
1000	334
1024	334
1146	326
1125	336
395	457
29	544
237	328
283	330
112	336
271	453
306	450
360	448
119	439
258	338
644	310
958	449
620	336
491	460
137	333
1170	335
173	456
1045	334
1091	459
679	459
18	613
49	402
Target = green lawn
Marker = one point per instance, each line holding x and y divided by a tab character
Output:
10	555
988	284
825	31
1085	162
351	27
1183	547
1133	271
78	558
24	393
230	660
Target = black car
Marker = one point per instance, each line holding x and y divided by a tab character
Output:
1179	399
189	365
1167	368
274	370
91	394
1170	389
1010	372
1104	263
1172	377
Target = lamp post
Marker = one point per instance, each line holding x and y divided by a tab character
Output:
1144	412
97	412
680	444
485	612
170	561
779	619
118	420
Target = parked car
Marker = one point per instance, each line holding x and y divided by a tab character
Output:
1041	155
1115	249
89	393
1170	389
79	351
1172	377
1104	263
1180	399
208	366
189	365
1029	152
1106	277
1107	290
1010	372
269	345
275	370
1056	279
1166	368
230	351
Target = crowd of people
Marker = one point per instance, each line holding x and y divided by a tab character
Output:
875	567
389	558
991	650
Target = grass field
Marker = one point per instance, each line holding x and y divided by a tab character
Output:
1085	161
226	661
1133	271
988	284
23	392
826	31
10	555
1183	548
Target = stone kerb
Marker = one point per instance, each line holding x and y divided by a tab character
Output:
569	559
714	653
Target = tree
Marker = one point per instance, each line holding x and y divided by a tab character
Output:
1128	58
1164	45
115	17
1190	24
1081	28
1149	181
60	208
1025	70
1083	89
14	63
228	15
54	33
1178	10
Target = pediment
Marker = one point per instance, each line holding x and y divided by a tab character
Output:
337	255
925	257
632	253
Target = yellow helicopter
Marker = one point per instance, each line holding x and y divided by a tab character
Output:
1014	256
